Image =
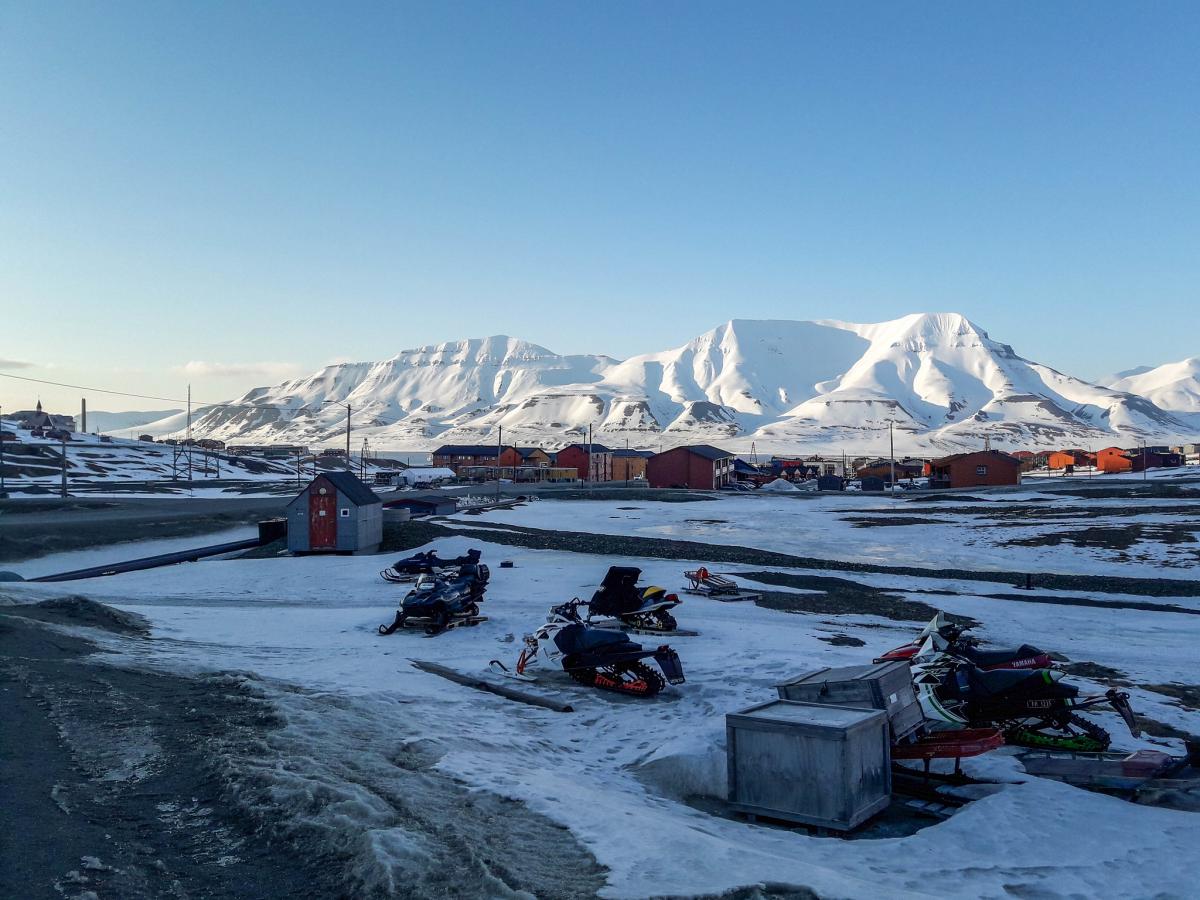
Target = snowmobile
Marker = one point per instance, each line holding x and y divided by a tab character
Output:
948	637
595	657
1032	706
645	609
409	569
441	602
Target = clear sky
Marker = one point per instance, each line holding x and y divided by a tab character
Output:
256	189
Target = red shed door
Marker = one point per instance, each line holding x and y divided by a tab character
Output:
322	519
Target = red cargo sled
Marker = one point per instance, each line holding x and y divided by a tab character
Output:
954	745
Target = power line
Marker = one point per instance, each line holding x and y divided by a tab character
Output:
97	390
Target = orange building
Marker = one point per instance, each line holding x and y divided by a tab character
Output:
1064	458
1113	459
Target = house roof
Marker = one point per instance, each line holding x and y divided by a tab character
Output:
527	452
990	454
632	454
707	451
468	450
588	448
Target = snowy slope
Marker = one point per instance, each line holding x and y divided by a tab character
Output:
1174	386
105	422
788	386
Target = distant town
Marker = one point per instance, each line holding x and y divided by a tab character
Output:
35	443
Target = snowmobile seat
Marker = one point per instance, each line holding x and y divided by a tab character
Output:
998	657
1001	681
580	639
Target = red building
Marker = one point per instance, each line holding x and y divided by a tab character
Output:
593	462
698	466
984	467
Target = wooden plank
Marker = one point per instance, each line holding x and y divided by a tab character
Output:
482	684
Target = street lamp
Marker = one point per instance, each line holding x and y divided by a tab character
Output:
347	405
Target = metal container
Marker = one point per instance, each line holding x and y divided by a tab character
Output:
821	765
886	686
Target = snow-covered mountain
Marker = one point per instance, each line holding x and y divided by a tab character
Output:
785	385
1174	387
104	422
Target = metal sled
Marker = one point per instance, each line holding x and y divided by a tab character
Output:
718	587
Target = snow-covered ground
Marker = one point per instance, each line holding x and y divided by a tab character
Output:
968	533
622	775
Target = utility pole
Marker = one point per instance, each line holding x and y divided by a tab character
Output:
1	451
297	467
499	452
1143	459
892	451
63	443
589	456
189	434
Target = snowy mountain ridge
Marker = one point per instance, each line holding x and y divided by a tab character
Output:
1173	386
787	386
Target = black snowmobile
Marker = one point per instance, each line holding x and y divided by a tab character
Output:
952	638
644	609
439	602
409	569
1032	706
596	657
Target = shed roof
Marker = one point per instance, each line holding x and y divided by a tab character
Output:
356	492
427	498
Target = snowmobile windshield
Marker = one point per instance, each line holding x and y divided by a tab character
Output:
618	594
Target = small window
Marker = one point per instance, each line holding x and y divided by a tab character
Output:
981	470
345	513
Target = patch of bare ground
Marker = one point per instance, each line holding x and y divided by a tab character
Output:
1186	695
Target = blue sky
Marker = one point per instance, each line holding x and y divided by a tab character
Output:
257	189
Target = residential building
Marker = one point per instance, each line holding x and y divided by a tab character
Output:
697	466
593	462
630	464
978	469
453	456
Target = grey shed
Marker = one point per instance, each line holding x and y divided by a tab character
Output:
336	513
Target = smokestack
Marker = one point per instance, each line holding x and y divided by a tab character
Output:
83	415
